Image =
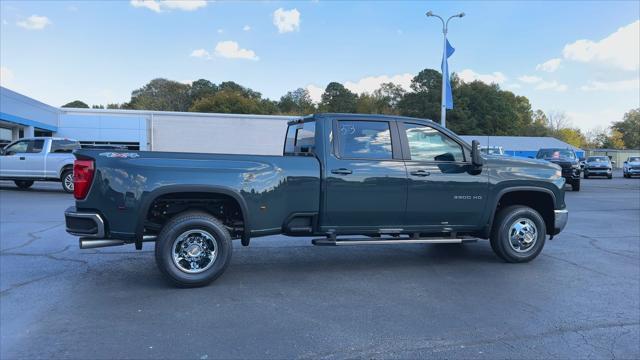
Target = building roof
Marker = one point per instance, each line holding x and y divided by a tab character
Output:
520	143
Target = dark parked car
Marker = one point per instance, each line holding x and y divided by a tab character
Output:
395	180
567	160
598	166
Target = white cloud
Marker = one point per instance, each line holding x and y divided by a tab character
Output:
550	65
620	49
595	119
149	4
160	5
35	22
286	20
371	83
220	31
185	5
513	86
231	50
622	85
529	79
468	75
552	86
246	28
6	76
200	53
315	92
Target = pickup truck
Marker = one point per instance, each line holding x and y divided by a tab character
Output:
347	179
568	162
39	159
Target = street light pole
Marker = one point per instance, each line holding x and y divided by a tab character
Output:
445	27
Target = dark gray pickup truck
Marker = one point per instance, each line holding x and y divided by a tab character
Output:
347	179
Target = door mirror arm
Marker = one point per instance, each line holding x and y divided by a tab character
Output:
476	158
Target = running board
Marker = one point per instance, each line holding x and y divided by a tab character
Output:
387	241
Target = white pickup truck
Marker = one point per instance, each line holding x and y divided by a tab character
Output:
39	159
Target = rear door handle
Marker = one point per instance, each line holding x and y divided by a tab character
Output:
420	173
341	171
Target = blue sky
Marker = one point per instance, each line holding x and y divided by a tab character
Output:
577	57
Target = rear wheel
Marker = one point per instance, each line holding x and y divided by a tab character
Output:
586	176
23	184
193	249
518	234
575	186
67	181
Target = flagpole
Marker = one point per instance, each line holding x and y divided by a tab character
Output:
443	103
445	65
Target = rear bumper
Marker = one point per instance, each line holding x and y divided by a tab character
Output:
561	219
84	224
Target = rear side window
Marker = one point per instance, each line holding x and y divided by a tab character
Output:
64	146
364	140
301	138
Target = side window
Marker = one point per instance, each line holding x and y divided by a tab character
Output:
64	146
428	144
364	140
35	146
18	148
300	138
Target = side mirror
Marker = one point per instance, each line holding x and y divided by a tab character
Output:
613	162
1	152
625	162
530	157
476	159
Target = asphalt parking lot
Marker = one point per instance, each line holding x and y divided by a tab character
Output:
283	298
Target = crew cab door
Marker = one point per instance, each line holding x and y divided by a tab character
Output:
365	177
23	159
444	188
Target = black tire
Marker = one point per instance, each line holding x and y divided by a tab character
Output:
500	233
586	176
180	224
575	186
65	177
23	184
610	176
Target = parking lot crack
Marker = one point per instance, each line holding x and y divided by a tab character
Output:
33	237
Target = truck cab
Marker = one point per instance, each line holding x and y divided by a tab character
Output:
39	159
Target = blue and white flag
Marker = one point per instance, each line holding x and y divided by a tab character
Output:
445	70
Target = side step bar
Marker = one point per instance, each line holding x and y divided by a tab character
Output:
387	241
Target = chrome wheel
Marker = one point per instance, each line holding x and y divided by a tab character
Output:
68	182
523	235
194	251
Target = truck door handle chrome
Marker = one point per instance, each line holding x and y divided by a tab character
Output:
420	173
341	171
21	157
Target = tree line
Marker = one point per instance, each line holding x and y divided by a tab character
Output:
480	109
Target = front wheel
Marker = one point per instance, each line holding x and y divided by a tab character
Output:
518	234
67	181
610	176
193	249
23	184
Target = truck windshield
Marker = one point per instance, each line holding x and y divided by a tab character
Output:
598	159
300	138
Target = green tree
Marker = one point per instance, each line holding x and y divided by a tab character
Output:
337	98
161	94
572	136
424	101
389	95
76	104
538	126
244	91
201	88
227	101
297	102
629	129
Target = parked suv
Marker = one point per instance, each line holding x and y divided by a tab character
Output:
631	166
567	160
598	166
39	159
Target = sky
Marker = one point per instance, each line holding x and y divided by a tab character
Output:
580	58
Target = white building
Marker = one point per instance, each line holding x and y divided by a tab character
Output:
21	116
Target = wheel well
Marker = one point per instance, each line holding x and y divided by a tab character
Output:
223	207
537	200
65	168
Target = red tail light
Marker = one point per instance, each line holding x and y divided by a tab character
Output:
82	177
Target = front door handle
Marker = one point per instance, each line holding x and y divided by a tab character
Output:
420	173
341	171
21	157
